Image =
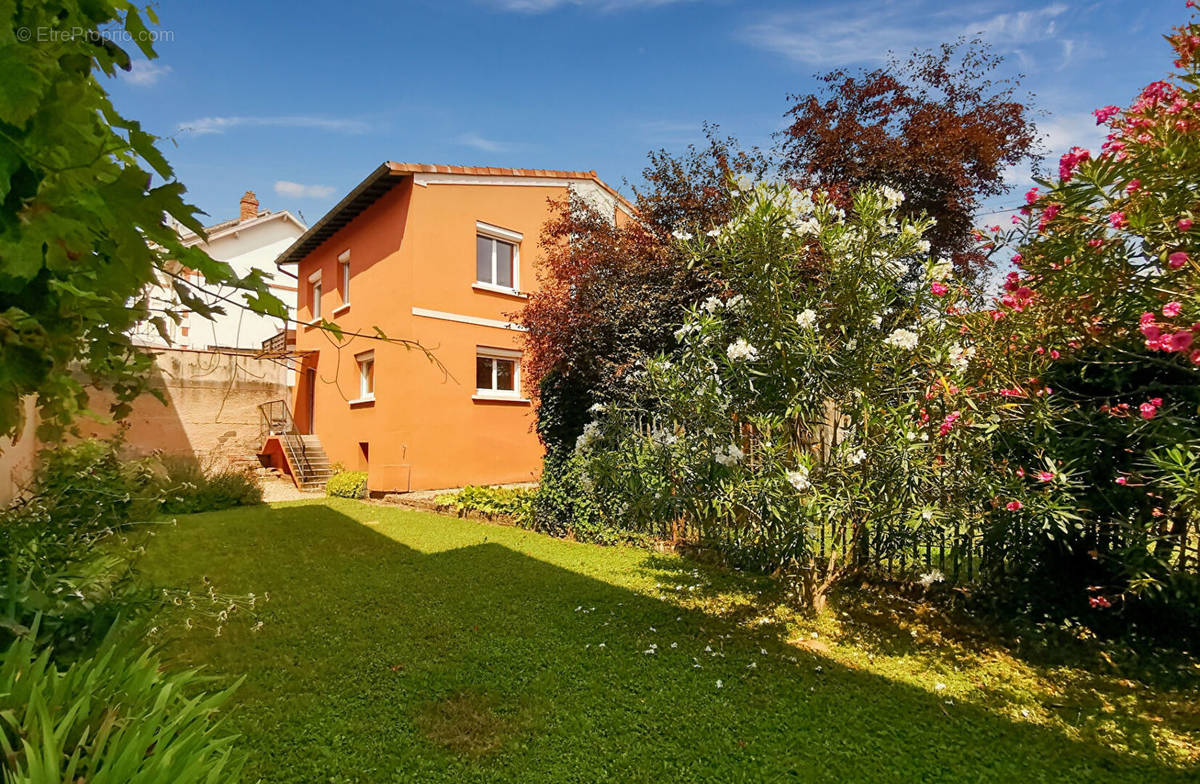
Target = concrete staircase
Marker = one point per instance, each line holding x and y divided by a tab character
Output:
308	460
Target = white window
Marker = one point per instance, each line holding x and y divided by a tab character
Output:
366	375
497	257
344	268
497	373
314	283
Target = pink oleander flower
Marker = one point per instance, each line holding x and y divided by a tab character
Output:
1045	476
939	289
1133	185
1177	259
1070	162
1121	480
1014	506
1118	220
1180	341
948	422
1195	357
1105	113
1171	309
1147	410
1099	602
1185	224
1031	195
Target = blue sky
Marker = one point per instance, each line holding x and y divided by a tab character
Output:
298	101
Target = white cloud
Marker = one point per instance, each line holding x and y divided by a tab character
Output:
1062	132
299	191
544	6
843	34
145	73
483	143
206	125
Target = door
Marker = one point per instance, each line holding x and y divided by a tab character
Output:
310	393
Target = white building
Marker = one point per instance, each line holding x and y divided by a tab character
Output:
253	240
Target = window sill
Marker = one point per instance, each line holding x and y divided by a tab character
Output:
362	402
340	309
484	397
507	292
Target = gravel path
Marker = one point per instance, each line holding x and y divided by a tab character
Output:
275	489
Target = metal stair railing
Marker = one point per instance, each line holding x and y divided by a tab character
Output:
276	420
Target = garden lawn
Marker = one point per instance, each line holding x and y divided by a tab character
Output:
406	646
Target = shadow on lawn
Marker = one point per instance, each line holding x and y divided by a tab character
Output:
381	662
1127	694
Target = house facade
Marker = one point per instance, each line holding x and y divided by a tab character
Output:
441	255
253	240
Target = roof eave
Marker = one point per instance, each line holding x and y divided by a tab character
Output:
323	229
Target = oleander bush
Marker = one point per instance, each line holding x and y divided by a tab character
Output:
827	414
1103	307
809	414
347	484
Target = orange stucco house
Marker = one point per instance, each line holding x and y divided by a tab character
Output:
443	255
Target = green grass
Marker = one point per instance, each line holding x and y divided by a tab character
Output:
404	646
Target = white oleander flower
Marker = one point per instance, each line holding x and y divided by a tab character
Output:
713	233
877	322
923	246
711	304
929	579
741	350
679	234
799	478
891	197
686	330
806	318
810	226
942	269
735	301
730	456
591	431
902	338
960	357
857	457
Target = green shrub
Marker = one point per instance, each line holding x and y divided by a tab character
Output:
113	718
50	560
186	487
347	484
566	505
490	502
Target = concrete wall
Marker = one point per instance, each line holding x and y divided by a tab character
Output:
212	406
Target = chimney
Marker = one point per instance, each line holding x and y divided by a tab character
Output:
249	206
